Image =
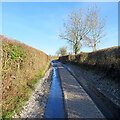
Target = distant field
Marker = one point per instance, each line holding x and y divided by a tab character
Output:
107	60
54	57
22	67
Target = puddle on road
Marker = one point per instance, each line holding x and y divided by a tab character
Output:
55	106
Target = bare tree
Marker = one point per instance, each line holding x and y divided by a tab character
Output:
76	28
84	27
97	28
58	53
62	51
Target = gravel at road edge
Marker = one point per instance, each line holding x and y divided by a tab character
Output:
106	86
35	106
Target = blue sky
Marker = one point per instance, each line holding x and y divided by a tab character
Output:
38	24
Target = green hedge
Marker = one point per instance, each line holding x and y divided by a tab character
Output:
106	60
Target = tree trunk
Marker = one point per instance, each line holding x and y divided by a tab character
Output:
94	46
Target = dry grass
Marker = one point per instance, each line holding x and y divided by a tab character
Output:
22	67
54	57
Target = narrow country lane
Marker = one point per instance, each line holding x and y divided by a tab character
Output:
59	95
77	102
60	60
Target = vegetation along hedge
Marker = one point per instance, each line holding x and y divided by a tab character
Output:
107	60
22	67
